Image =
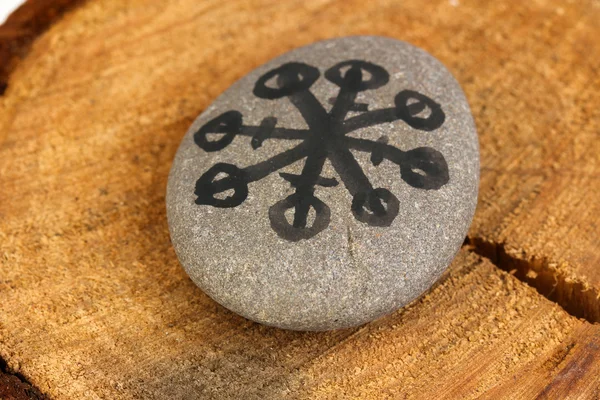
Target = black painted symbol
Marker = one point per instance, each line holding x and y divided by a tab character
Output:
327	137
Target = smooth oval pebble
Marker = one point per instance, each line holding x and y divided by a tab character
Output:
328	187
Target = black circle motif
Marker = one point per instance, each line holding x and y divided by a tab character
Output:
294	233
409	112
424	168
379	215
228	124
353	78
207	187
290	78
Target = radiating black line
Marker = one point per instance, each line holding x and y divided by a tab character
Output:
266	128
356	107
258	171
293	179
369	118
349	170
276	133
385	150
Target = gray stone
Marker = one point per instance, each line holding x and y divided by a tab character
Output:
303	215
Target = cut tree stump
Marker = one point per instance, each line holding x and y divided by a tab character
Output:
94	305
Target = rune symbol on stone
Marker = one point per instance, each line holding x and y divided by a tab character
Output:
327	138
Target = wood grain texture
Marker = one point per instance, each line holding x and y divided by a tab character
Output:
16	36
22	27
536	103
95	305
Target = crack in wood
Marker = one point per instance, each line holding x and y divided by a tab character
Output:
571	293
15	386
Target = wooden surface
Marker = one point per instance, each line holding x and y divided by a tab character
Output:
95	305
22	27
16	36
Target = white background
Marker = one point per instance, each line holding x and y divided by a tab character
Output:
8	6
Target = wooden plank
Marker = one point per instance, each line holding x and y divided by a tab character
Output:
537	111
16	35
95	305
480	333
